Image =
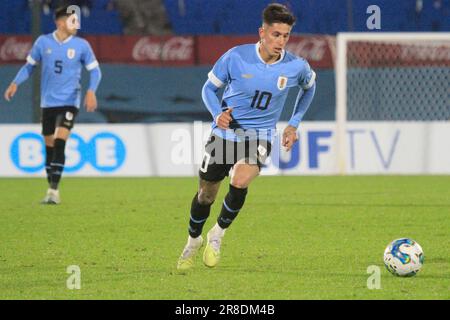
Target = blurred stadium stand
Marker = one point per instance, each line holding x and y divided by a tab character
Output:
319	17
230	16
98	17
153	92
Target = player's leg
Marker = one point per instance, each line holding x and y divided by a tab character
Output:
201	206
245	170
55	160
211	174
48	118
49	141
59	159
64	122
250	155
199	213
48	130
49	144
243	174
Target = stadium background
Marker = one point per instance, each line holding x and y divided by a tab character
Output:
146	47
299	237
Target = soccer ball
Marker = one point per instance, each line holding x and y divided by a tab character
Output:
403	257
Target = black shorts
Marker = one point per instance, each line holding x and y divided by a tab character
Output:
221	155
57	117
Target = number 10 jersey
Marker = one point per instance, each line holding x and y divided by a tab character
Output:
255	90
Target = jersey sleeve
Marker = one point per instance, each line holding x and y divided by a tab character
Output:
307	77
35	55
88	58
219	74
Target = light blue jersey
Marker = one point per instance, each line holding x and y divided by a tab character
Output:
257	91
61	69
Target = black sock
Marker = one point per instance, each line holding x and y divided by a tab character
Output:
48	160
234	201
57	163
199	215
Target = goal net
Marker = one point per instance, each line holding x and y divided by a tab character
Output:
391	77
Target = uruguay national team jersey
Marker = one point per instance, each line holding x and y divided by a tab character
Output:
256	90
61	68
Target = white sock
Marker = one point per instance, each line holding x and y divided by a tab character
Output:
193	242
217	231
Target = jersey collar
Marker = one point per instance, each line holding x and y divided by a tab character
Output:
56	38
258	44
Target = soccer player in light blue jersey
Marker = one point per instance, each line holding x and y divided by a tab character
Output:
61	55
256	78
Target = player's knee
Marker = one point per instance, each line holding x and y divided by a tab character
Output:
49	141
206	197
241	182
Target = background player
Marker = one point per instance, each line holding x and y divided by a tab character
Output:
61	55
257	78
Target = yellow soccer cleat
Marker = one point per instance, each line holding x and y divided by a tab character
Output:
187	258
211	255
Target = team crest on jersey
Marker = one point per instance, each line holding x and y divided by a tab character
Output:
70	53
69	116
282	82
48	51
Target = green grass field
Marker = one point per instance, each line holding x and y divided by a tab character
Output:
296	238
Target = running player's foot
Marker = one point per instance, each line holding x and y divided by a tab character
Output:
186	260
52	197
211	255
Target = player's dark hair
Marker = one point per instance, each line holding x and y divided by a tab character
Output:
278	13
61	12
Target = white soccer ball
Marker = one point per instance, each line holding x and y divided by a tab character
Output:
403	257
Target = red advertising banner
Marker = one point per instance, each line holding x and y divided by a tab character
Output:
211	48
161	51
175	50
317	50
364	54
165	51
14	48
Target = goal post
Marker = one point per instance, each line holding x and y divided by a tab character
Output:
390	77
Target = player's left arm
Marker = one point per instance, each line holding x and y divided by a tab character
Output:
95	75
307	83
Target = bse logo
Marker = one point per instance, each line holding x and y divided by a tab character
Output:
105	152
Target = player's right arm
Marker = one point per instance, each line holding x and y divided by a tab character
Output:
209	96
25	72
217	78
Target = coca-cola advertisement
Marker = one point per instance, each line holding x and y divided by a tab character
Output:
14	48
120	49
175	50
318	50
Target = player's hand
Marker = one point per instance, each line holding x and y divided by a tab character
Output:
289	137
11	91
223	120
90	101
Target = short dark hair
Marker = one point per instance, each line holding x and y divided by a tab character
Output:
62	12
278	13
